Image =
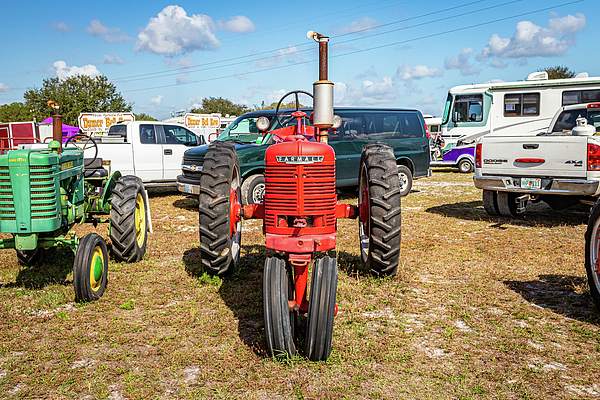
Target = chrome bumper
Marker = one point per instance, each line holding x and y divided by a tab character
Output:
572	187
188	188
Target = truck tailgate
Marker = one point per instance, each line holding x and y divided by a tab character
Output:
536	156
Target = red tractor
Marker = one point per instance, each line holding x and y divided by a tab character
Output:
299	213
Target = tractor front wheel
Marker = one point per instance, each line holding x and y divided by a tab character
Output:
90	269
280	323
321	309
380	209
220	225
129	219
31	257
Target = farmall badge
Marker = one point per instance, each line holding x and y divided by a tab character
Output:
299	159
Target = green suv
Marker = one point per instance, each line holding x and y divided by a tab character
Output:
404	130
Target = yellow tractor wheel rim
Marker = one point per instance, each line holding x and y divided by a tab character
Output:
140	220
96	268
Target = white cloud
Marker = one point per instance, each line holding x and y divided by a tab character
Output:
184	64
155	101
4	88
111	60
275	96
194	102
368	93
60	26
406	72
291	54
237	24
462	63
498	64
241	76
370	72
530	40
362	26
63	71
172	32
109	35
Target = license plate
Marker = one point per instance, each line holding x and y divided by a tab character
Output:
531	183
188	189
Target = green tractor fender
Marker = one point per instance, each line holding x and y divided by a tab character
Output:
104	201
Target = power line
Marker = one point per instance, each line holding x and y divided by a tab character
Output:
367	49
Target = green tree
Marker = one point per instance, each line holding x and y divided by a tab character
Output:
558	72
76	94
144	117
220	105
15	112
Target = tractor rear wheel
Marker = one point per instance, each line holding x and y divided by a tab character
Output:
219	226
380	209
592	253
90	269
280	323
321	309
129	219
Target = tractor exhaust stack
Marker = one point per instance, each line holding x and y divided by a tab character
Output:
322	90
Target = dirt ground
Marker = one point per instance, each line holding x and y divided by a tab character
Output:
482	307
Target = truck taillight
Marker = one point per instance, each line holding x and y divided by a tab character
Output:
478	156
593	157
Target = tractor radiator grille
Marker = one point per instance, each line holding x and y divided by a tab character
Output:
300	190
43	192
7	203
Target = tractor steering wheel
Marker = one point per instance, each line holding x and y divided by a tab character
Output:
288	119
83	142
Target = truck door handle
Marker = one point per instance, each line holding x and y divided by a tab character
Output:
531	146
168	152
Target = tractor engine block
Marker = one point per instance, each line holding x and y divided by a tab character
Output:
300	199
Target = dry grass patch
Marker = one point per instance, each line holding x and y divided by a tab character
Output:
482	307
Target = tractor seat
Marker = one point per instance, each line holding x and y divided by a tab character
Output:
95	169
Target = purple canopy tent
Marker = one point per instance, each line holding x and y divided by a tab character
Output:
67	130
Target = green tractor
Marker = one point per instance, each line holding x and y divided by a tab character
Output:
45	192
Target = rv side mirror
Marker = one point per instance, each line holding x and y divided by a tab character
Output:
454	117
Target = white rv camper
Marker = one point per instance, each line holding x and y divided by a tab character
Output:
512	108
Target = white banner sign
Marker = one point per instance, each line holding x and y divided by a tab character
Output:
202	121
100	122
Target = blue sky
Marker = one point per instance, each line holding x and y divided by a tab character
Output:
166	56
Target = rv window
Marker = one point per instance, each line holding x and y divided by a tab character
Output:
580	96
521	104
468	108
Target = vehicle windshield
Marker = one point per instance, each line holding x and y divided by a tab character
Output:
567	120
447	110
243	130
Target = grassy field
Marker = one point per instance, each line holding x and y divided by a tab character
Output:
482	307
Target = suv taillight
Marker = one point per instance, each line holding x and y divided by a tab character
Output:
593	157
478	156
427	130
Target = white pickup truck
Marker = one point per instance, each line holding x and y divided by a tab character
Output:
560	166
151	150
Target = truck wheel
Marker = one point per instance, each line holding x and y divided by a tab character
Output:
592	254
321	309
280	323
490	202
90	269
507	205
405	177
129	219
253	189
380	210
220	233
465	166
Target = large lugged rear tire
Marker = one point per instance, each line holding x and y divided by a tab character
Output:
129	219
380	208
219	190
321	309
90	269
592	253
280	323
